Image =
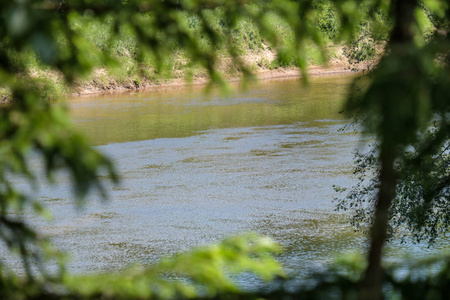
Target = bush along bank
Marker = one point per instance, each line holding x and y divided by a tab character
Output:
238	46
254	52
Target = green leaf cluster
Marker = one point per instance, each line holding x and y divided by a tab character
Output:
207	272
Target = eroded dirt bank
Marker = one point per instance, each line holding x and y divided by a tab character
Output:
260	64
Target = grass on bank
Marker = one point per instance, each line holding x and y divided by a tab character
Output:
130	67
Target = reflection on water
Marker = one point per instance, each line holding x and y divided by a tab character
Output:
183	112
198	168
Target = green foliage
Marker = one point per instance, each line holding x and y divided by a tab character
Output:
407	92
427	279
421	207
70	39
205	273
113	43
416	122
359	51
372	32
326	18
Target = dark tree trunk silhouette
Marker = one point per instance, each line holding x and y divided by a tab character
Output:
372	281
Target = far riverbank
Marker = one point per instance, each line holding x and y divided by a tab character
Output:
262	66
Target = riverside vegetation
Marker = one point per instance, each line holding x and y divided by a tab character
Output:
66	41
248	51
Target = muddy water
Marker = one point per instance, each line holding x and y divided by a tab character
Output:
188	111
196	168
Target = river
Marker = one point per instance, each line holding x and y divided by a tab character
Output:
197	167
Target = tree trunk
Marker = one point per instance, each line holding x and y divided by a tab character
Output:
371	285
372	282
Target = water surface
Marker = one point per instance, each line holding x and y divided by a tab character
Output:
186	111
199	167
196	168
